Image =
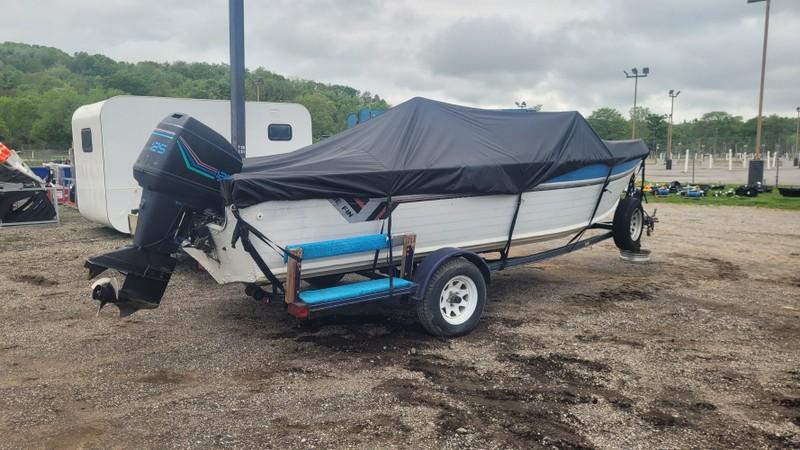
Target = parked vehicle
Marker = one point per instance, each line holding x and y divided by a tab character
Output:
790	191
24	197
108	135
413	200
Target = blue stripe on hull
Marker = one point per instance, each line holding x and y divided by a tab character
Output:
592	172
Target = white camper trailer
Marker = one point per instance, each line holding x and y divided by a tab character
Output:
107	137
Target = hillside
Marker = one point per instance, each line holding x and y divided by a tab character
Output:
40	87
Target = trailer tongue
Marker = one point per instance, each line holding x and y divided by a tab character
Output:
179	170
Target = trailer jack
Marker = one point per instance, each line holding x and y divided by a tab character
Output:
650	222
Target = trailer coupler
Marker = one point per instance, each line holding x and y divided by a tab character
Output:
146	277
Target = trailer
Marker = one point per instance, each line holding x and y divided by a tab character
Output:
25	199
108	135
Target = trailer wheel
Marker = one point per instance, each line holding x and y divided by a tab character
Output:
325	281
628	224
453	300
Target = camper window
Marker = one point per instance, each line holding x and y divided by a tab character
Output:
86	140
279	132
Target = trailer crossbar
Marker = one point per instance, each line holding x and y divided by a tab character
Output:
541	256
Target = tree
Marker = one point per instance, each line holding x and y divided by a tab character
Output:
19	114
716	126
777	133
608	123
656	130
640	113
3	130
53	126
39	86
83	63
10	78
322	111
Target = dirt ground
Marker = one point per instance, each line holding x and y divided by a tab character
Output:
698	349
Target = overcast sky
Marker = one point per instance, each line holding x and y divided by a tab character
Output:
566	54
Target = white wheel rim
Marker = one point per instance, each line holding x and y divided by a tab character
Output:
636	224
458	300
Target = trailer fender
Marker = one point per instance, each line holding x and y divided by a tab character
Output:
430	263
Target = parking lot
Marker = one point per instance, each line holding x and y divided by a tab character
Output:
698	348
787	175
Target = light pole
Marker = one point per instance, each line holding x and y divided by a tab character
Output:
635	75
755	171
672	95
797	138
236	25
522	105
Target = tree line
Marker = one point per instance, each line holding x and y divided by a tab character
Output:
40	88
713	132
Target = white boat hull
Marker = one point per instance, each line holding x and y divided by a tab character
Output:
479	224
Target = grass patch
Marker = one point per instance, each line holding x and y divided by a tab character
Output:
766	200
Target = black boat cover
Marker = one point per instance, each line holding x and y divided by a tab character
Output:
428	147
628	149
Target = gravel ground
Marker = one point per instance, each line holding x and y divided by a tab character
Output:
697	349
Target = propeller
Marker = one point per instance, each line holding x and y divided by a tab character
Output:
105	291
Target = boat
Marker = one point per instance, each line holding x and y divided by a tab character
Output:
23	195
453	177
790	191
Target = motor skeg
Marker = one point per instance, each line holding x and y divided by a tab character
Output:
179	170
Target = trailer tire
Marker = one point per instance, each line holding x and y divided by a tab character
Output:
325	281
628	224
453	300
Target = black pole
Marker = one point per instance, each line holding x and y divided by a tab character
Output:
236	16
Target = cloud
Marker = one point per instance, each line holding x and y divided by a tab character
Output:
486	46
567	55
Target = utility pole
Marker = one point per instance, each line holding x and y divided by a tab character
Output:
635	75
236	25
259	84
672	95
756	168
797	138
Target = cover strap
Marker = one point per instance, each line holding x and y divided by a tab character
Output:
242	231
575	238
507	247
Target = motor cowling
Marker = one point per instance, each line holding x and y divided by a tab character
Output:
179	170
184	159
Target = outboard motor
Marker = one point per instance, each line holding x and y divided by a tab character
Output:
179	170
